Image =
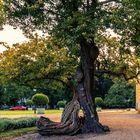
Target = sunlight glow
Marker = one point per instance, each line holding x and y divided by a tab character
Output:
11	36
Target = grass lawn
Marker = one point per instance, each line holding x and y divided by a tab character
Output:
8	112
17	132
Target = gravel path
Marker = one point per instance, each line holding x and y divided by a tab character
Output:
124	126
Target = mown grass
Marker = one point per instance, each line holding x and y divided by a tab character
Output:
8	135
20	112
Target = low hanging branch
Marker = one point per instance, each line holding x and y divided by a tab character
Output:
4	44
108	1
118	74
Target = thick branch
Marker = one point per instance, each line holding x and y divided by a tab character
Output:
118	74
108	1
4	44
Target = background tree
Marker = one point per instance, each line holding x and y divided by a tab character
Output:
121	95
44	66
12	94
102	86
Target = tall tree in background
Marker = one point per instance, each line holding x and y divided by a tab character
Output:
77	24
38	64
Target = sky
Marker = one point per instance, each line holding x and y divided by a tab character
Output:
11	36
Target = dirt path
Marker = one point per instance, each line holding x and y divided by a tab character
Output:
124	126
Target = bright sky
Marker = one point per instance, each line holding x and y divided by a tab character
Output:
11	36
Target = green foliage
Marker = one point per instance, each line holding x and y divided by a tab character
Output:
10	124
99	101
103	84
69	22
2	14
42	62
121	95
40	99
29	103
11	93
118	59
61	104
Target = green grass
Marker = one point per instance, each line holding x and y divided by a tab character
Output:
15	133
8	112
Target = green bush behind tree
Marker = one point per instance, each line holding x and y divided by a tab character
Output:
40	99
99	102
61	104
29	103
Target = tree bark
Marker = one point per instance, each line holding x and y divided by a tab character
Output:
85	86
70	123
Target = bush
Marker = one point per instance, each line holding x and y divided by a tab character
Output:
10	124
120	95
29	103
99	101
61	104
40	99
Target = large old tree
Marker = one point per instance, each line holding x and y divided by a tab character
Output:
80	25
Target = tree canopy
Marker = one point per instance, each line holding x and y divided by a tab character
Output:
36	60
69	21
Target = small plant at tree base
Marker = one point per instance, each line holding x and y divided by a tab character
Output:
29	103
61	104
40	99
99	101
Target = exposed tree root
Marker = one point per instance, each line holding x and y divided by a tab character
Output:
70	123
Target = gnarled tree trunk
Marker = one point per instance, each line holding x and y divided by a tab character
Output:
83	97
85	83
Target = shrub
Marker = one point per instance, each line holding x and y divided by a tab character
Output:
29	103
10	124
99	101
40	99
61	103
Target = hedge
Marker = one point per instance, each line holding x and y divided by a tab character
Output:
10	124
